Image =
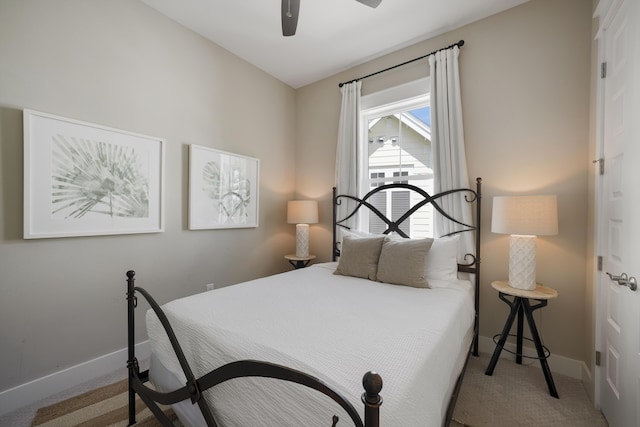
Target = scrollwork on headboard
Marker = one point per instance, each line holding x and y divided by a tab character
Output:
394	226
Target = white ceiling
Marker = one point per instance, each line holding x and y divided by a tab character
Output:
332	35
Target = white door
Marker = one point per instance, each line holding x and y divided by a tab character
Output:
619	214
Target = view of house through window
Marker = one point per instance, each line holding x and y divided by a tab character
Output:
398	147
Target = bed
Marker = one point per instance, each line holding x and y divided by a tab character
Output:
291	349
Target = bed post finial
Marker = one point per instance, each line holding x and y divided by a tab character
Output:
132	362
372	383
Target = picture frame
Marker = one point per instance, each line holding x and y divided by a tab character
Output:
223	189
84	179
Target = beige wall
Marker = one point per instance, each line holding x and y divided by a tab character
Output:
525	76
119	63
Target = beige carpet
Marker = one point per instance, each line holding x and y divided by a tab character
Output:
517	395
105	406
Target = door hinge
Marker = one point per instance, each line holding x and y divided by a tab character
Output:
598	357
600	163
603	70
599	262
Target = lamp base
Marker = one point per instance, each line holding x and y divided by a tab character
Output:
522	262
302	240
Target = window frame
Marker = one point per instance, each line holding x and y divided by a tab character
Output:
392	101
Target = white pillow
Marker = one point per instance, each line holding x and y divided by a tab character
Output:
343	232
354	234
441	262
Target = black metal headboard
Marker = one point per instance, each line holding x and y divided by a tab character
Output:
471	196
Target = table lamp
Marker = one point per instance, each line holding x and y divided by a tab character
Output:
302	213
524	218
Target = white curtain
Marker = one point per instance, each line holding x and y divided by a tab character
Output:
447	141
347	151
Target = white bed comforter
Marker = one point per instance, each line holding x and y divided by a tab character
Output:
333	327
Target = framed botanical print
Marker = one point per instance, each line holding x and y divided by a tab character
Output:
84	179
223	189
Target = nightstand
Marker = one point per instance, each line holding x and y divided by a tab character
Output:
520	305
299	262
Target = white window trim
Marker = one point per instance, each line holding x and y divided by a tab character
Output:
407	91
387	102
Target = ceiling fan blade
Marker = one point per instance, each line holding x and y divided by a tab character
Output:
290	10
371	3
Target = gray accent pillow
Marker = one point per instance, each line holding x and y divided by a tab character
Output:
359	257
402	262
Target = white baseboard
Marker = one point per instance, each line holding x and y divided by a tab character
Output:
33	391
557	364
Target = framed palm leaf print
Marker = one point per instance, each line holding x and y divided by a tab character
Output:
223	189
83	179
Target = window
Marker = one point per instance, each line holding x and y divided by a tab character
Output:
375	181
397	174
397	142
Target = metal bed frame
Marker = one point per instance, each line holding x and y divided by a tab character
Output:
372	382
194	388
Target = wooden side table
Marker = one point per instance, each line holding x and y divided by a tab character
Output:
520	305
299	262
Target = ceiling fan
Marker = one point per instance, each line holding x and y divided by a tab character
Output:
291	8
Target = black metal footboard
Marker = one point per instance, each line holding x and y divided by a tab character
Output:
372	382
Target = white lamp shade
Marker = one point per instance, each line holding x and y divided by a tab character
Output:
302	212
525	215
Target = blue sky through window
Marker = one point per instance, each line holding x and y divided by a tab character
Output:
423	114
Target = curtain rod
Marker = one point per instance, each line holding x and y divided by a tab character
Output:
459	44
